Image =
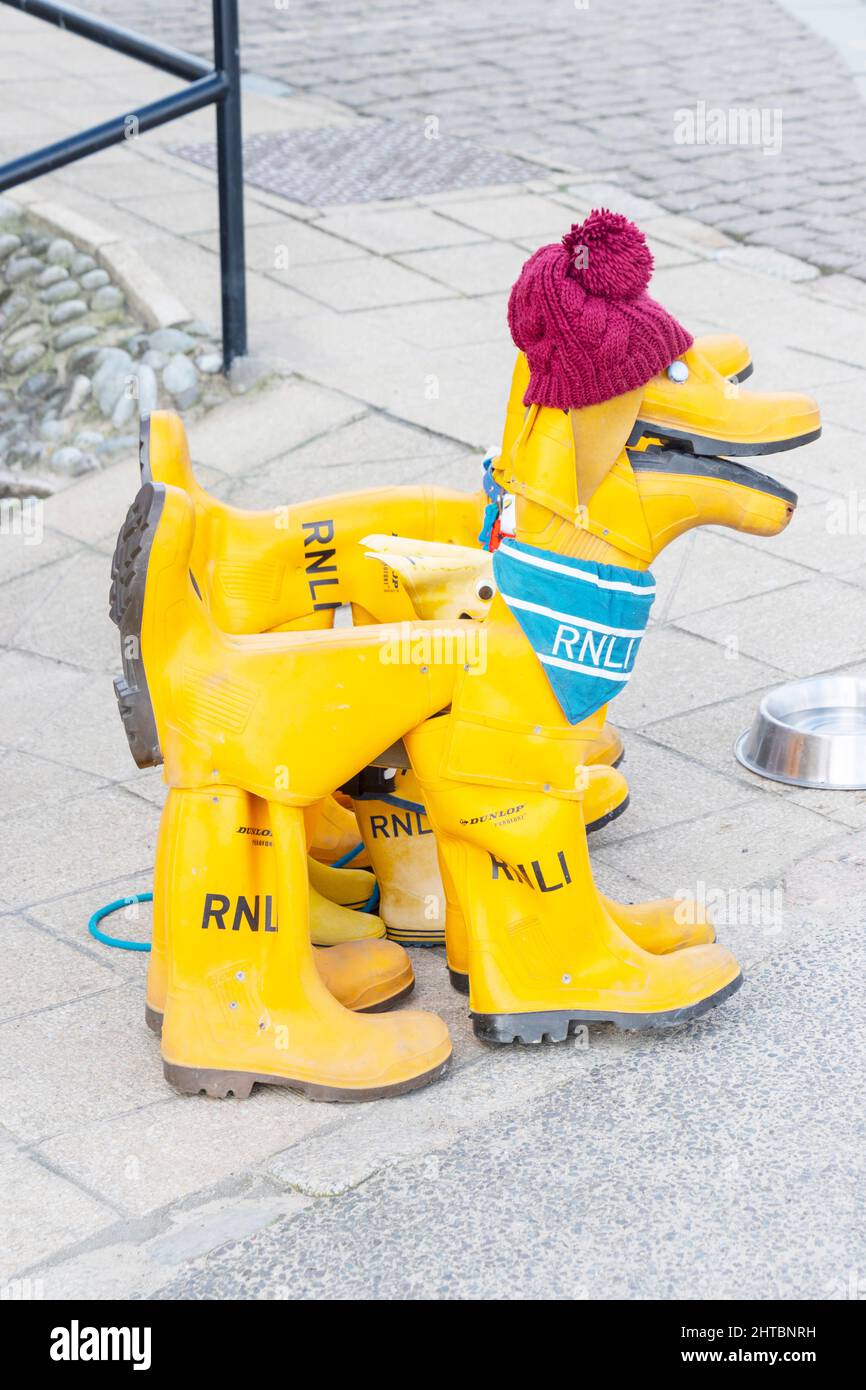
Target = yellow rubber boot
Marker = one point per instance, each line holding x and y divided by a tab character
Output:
659	926
369	976
350	887
656	926
545	956
415	903
402	850
692	404
298	565
333	835
248	1005
727	353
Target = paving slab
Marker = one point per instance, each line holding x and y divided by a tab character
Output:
679	671
93	1058
789	627
43	1211
476	269
707	570
752	841
42	972
70	844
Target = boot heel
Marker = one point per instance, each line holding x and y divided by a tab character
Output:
202	1081
153	1019
459	981
523	1028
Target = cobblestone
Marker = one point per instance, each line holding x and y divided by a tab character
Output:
540	81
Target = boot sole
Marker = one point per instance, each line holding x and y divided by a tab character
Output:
557	1025
408	941
153	1018
222	1085
459	981
703	444
609	816
126	606
691	466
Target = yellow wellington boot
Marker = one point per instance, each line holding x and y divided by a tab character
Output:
350	887
244	1001
416	903
402	850
298	565
250	1006
693	405
333	836
331	924
368	976
726	352
545	956
606	749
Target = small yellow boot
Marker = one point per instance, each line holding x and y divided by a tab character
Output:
349	887
402	849
333	835
244	1000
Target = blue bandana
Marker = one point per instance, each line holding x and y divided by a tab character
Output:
583	621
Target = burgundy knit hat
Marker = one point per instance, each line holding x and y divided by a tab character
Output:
580	312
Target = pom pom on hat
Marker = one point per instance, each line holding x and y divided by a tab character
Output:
609	256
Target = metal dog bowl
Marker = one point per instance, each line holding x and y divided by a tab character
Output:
810	733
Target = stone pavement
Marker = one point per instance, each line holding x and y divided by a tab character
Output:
595	85
723	1159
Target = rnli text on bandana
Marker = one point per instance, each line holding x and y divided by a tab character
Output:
584	621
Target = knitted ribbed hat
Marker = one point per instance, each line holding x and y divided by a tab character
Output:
580	312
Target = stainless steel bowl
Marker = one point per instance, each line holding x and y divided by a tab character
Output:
810	733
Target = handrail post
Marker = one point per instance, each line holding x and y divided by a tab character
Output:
231	185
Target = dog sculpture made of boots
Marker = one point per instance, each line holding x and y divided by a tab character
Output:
546	954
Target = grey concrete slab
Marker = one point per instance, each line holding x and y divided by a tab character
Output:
70	844
706	569
31	549
30	782
477	269
42	1212
789	627
61	612
677	671
171	1148
727	849
71	714
78	1063
42	972
66	916
388	232
286	417
665	789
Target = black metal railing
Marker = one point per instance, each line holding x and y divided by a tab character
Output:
219	86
